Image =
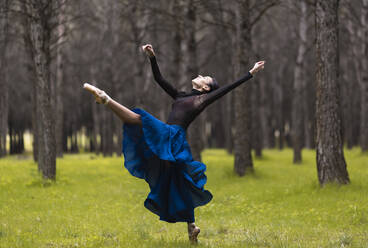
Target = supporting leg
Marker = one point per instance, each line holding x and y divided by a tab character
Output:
193	232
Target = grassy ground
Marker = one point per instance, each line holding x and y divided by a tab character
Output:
96	203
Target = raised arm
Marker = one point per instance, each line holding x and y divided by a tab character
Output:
216	94
157	74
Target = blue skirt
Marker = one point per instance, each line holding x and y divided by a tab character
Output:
160	154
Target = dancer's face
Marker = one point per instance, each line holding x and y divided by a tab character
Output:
202	83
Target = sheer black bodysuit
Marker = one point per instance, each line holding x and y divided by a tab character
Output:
186	106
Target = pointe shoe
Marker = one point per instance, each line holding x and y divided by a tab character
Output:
100	95
193	232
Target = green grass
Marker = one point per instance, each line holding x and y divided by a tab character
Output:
96	203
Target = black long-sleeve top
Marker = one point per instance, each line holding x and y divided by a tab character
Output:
187	107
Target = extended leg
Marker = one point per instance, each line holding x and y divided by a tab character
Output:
125	114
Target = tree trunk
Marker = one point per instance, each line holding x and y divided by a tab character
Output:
107	124
59	108
331	165
178	68
229	98
11	143
107	134
4	107
348	89
256	120
96	115
299	83
264	113
228	122
40	37
308	108
34	116
242	138
196	128
32	78
364	79
279	103
138	23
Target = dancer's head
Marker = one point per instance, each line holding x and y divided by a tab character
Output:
204	84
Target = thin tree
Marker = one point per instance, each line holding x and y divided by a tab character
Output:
59	105
26	36
331	165
299	86
192	70
4	107
364	78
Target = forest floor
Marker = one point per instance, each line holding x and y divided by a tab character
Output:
97	203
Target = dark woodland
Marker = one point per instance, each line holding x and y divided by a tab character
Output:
313	93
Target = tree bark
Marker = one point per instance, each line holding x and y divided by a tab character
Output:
308	109
40	37
242	138
353	99
331	165
364	79
34	116
348	89
32	78
178	68
138	24
228	122
59	107
96	115
256	119
264	113
279	108
4	106
196	128
297	127
107	134
107	125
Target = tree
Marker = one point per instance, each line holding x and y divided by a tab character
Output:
192	70
29	65
4	107
59	105
242	95
189	37
331	163
40	34
299	86
351	65
364	78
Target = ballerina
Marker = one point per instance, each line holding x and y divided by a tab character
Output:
159	153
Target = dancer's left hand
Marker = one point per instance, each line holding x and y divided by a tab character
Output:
257	67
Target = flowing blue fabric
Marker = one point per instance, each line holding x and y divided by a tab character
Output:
160	154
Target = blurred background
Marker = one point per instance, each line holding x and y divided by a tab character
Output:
50	48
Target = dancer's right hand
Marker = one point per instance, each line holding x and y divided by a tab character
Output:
148	50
